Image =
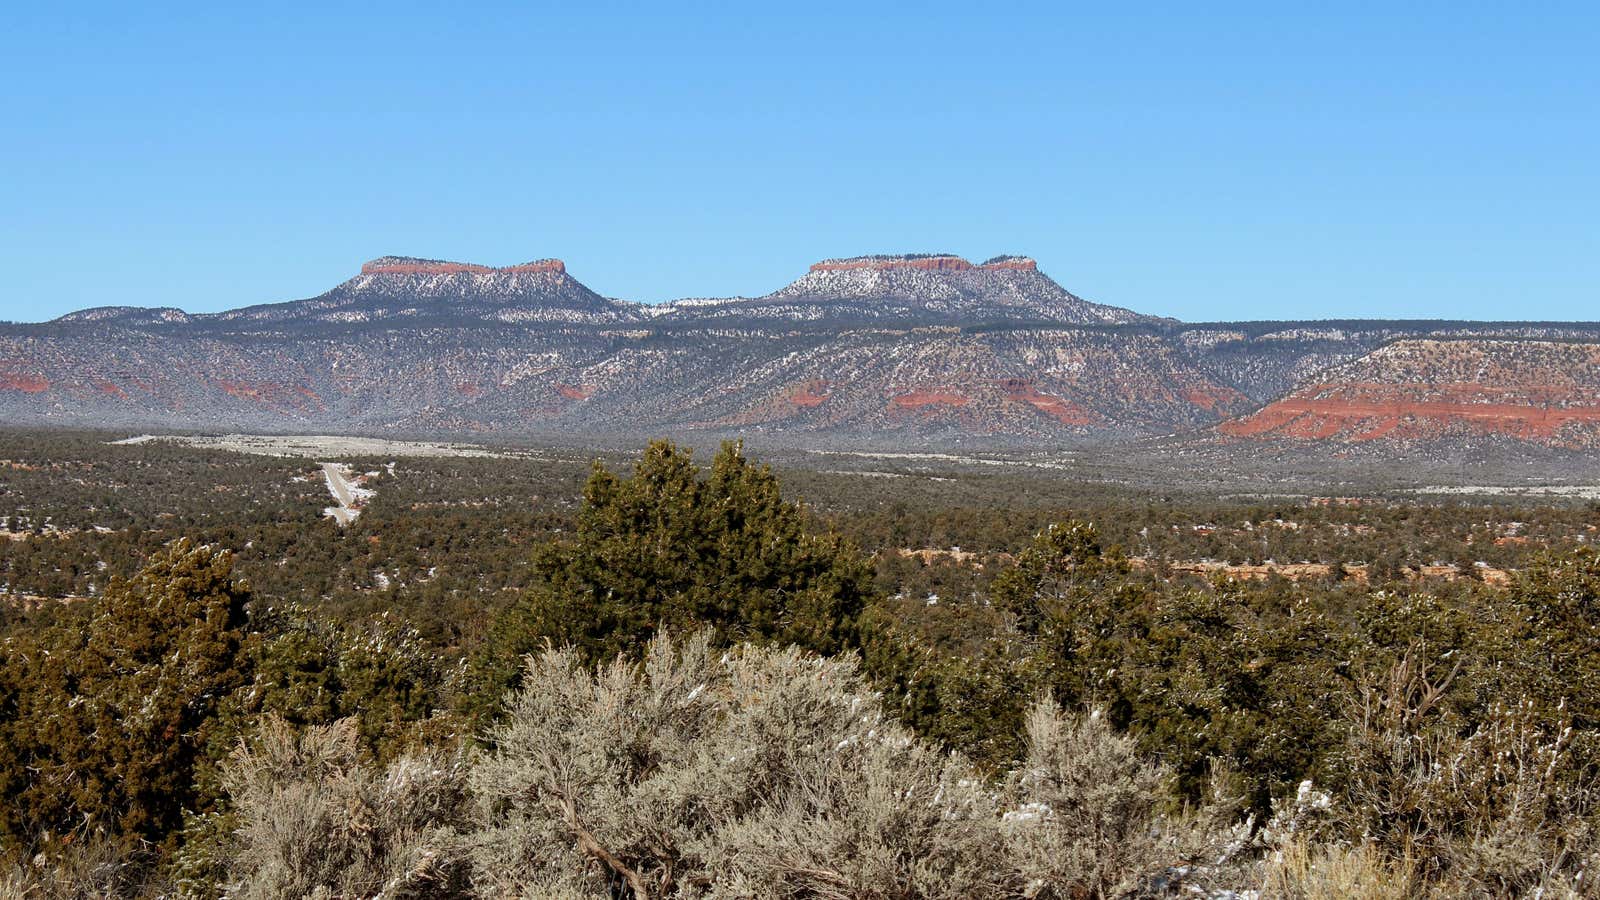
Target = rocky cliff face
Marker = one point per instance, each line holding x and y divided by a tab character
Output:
397	288
410	265
918	289
926	262
923	349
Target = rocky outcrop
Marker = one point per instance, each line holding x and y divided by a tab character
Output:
27	384
919	399
915	289
402	288
929	262
1024	390
1015	263
409	265
1541	392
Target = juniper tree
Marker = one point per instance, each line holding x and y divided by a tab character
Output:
668	547
113	717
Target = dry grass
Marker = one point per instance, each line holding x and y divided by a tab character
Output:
1300	871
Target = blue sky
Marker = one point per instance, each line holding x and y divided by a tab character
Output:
1200	161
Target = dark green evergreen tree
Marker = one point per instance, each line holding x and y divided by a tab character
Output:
309	670
113	716
667	547
1074	608
1557	663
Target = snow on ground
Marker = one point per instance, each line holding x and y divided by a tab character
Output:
347	492
1579	491
312	445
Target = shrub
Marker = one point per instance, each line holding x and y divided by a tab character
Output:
1493	805
309	821
759	772
765	772
99	867
1089	815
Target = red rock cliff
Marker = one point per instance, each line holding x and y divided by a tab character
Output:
927	263
397	266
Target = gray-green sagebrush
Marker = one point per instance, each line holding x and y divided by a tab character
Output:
699	772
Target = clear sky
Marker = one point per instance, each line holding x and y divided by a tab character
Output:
1196	160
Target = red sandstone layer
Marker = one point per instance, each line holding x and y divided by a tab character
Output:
918	399
1211	397
454	268
28	384
928	263
278	396
1377	413
811	394
1020	390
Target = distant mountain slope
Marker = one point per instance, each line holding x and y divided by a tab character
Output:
930	382
397	289
917	288
400	287
1543	392
128	315
919	349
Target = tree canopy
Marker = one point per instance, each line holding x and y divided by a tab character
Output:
670	546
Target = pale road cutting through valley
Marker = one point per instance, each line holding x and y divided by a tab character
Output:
345	512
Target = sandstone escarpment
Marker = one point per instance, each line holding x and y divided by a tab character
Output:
409	265
932	262
1542	392
922	288
399	289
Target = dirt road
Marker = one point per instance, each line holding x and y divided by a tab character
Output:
341	489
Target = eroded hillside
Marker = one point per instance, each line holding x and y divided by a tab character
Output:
913	349
1544	392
